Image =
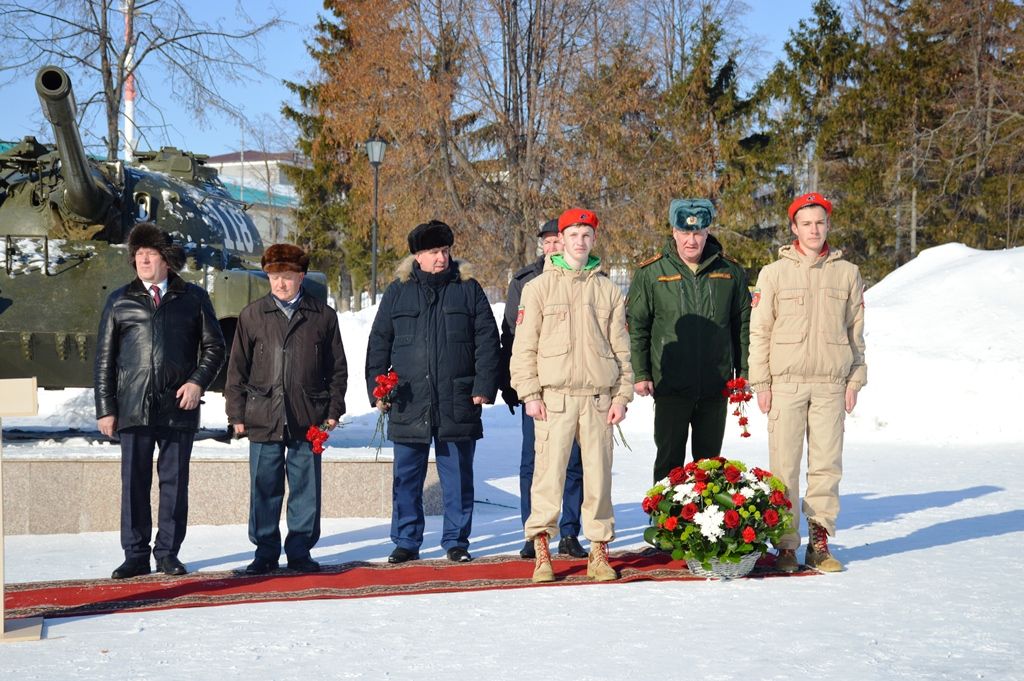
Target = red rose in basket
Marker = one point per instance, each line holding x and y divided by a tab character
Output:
737	391
384	392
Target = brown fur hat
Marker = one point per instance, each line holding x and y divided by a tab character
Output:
284	258
148	235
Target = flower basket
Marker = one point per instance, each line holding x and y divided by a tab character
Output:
720	570
717	516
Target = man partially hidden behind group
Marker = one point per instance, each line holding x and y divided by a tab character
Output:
807	366
689	315
158	349
287	372
435	329
570	366
572	497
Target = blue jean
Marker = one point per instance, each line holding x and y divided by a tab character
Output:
269	463
572	498
455	469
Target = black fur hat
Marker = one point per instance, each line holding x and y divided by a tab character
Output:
433	234
148	235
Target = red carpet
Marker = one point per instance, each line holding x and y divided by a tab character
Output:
349	580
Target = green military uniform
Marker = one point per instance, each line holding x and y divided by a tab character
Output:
689	333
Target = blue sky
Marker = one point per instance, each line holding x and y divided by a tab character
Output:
767	23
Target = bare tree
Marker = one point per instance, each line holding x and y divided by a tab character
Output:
88	37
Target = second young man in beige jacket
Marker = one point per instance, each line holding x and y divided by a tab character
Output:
807	366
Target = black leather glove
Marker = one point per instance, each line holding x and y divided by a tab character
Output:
511	398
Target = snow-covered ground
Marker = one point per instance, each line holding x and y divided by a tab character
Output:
932	510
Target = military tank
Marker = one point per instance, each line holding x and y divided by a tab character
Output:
64	220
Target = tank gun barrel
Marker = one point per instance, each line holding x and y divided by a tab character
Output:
83	197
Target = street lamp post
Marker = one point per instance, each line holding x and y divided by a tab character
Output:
375	148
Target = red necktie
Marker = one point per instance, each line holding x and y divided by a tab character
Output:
156	294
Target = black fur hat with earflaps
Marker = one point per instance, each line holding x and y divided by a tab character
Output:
148	235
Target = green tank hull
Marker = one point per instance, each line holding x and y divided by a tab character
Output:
63	222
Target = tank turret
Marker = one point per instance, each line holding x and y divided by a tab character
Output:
83	198
64	218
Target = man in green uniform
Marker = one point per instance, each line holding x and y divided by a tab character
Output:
689	318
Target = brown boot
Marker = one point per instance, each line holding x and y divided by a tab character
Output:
818	556
542	570
786	561
598	567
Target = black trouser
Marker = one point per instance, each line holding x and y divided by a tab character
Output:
137	445
673	419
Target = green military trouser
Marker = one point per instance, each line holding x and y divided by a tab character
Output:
673	419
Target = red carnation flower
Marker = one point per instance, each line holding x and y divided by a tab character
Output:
749	535
739	499
671	523
699	487
317	436
732	519
737	390
700	475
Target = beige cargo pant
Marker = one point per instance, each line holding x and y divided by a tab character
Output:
585	419
815	411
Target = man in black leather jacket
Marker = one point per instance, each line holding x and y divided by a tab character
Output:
435	329
159	347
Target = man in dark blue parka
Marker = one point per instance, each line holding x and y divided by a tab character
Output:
435	329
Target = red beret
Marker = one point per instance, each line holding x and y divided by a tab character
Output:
812	199
577	216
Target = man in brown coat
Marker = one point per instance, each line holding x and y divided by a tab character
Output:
286	372
807	366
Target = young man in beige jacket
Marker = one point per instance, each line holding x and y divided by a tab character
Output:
570	365
806	366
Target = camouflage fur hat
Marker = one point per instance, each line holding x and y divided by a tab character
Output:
148	235
691	214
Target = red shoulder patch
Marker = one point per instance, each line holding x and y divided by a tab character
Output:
519	316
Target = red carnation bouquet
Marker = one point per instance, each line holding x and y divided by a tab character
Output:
384	392
317	436
716	509
737	391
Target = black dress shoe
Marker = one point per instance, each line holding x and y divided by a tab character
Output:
170	565
400	555
570	546
261	566
133	567
459	555
306	565
527	552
